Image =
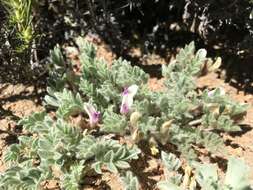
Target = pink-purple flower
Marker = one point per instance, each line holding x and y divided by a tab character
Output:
94	115
127	100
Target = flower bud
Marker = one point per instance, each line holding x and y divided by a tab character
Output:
193	183
134	118
165	126
214	67
186	180
137	135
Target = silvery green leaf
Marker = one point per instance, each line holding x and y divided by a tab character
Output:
121	152
33	122
122	164
88	50
67	103
51	101
72	179
113	123
207	177
112	168
97	167
12	154
166	185
21	178
56	57
108	157
237	175
132	153
171	162
130	182
85	147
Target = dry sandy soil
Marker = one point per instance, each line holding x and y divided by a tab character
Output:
19	100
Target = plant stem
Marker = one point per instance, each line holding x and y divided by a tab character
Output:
195	122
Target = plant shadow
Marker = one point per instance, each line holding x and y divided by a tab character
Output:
244	129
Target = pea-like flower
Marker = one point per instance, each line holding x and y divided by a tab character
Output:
221	92
127	100
94	115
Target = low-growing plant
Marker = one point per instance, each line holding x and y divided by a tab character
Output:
203	175
102	113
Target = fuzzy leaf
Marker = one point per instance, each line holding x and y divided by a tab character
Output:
67	103
166	185
207	176
72	179
237	175
130	182
171	162
114	123
33	122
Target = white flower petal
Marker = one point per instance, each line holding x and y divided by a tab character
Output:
133	90
222	91
89	109
92	113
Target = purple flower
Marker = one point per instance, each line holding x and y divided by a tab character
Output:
210	93
127	100
92	113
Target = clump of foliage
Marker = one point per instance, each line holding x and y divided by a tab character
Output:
103	113
205	175
18	54
20	19
29	27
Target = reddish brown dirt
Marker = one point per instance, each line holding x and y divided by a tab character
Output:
17	101
241	145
